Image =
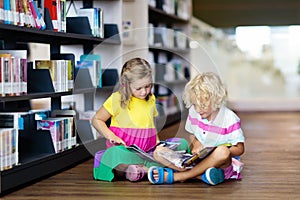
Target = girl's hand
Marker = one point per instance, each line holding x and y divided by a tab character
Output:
116	140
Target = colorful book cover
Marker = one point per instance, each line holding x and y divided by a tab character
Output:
51	5
54	126
98	71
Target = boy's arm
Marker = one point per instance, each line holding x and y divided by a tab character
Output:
237	150
196	146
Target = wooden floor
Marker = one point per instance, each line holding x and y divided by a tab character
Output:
272	170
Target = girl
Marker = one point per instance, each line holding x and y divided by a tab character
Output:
210	123
132	110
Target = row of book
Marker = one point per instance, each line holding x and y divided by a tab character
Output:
96	21
180	8
13	72
59	124
169	103
166	70
162	36
61	72
62	129
48	14
14	69
21	13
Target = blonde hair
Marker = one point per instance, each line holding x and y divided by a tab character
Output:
132	70
206	87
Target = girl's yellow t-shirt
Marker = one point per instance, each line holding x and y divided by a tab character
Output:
138	114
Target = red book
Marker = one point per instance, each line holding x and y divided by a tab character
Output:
51	5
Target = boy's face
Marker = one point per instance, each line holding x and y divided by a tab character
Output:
141	88
203	107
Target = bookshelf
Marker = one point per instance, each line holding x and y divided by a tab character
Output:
41	161
166	22
37	158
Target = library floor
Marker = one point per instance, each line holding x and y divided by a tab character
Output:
271	171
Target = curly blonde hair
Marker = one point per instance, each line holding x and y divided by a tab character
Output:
205	88
132	70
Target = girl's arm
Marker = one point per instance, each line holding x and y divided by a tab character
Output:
98	121
237	150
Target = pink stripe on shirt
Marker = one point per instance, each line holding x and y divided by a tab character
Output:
215	129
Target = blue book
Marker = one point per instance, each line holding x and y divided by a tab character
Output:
98	69
7	12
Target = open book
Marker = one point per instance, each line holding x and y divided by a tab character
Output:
183	159
148	155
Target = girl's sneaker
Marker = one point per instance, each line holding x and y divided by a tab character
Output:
135	173
213	176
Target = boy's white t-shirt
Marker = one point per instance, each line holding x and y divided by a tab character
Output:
225	128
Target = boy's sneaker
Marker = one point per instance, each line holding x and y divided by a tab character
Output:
213	176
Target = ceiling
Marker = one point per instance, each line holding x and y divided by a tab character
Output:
232	13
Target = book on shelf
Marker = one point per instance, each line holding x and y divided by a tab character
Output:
1	12
9	148
51	5
20	12
63	15
7	12
14	14
71	136
95	17
92	62
10	124
148	154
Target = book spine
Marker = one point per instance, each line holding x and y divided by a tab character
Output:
2	82
14	13
22	19
63	14
1	11
7	12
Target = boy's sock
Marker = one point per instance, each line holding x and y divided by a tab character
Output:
213	176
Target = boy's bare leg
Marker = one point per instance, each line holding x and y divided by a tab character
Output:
220	158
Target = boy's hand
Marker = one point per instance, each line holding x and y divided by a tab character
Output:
196	146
